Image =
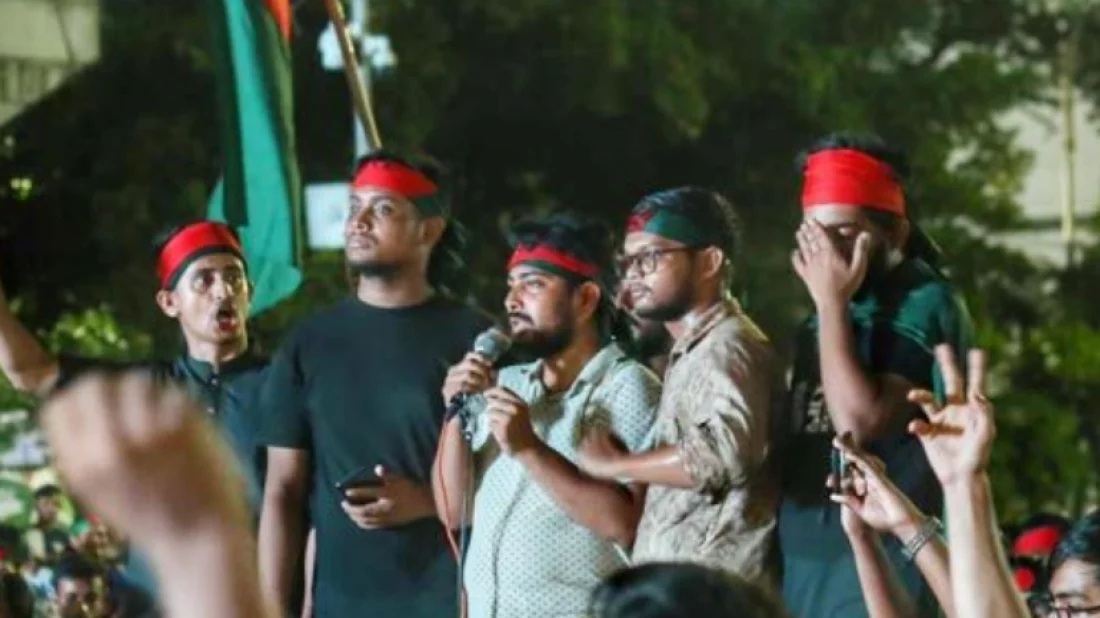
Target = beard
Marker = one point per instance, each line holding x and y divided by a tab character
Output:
374	269
544	344
676	306
878	270
651	339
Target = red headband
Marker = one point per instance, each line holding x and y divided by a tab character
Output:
548	256
1025	578
1038	541
845	176
189	241
395	177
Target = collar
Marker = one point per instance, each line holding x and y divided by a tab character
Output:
202	371
593	371
702	325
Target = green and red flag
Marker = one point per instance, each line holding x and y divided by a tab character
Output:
260	192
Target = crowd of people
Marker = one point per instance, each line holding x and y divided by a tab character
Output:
631	444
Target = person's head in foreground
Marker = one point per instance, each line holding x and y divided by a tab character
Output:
680	591
1075	571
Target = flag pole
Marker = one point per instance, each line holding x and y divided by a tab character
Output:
359	95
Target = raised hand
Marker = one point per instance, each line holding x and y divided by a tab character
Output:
870	499
828	274
142	456
957	436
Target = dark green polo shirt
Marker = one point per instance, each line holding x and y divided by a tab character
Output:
230	397
897	326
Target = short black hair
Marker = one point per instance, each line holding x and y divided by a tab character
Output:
47	491
73	565
1044	520
446	266
17	595
1081	542
680	591
867	143
590	240
708	209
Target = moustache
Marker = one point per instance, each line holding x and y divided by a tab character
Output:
520	318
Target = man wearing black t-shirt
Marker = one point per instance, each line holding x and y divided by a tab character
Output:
354	397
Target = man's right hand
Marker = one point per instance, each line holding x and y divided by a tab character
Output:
143	457
472	375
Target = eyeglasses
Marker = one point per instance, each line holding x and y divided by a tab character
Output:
645	262
1049	607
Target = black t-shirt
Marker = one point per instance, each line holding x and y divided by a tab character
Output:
358	386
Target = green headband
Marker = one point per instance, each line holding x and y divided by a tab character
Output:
670	225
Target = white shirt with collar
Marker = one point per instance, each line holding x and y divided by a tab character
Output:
527	558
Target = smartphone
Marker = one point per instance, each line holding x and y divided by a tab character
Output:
838	466
360	479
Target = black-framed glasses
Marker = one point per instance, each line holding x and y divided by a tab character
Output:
645	262
1046	605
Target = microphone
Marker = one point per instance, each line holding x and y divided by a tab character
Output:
491	345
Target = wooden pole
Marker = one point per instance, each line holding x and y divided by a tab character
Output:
359	95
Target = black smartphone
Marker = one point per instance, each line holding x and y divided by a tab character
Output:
838	467
361	479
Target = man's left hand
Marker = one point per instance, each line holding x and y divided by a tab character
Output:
510	421
395	501
599	454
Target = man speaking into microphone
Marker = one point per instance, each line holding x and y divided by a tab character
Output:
545	533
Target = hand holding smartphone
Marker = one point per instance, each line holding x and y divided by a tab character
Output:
357	488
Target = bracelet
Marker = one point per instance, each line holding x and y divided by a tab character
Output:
931	528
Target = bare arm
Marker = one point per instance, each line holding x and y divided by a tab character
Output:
607	508
933	563
867	406
872	501
883	594
661	466
451	477
143	458
212	573
980	578
311	564
282	523
27	365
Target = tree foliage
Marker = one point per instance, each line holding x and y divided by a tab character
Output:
590	104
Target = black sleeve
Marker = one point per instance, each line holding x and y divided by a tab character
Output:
284	417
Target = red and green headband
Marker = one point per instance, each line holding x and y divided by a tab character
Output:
194	241
671	225
406	181
846	176
552	260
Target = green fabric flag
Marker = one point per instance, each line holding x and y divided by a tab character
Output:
260	192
